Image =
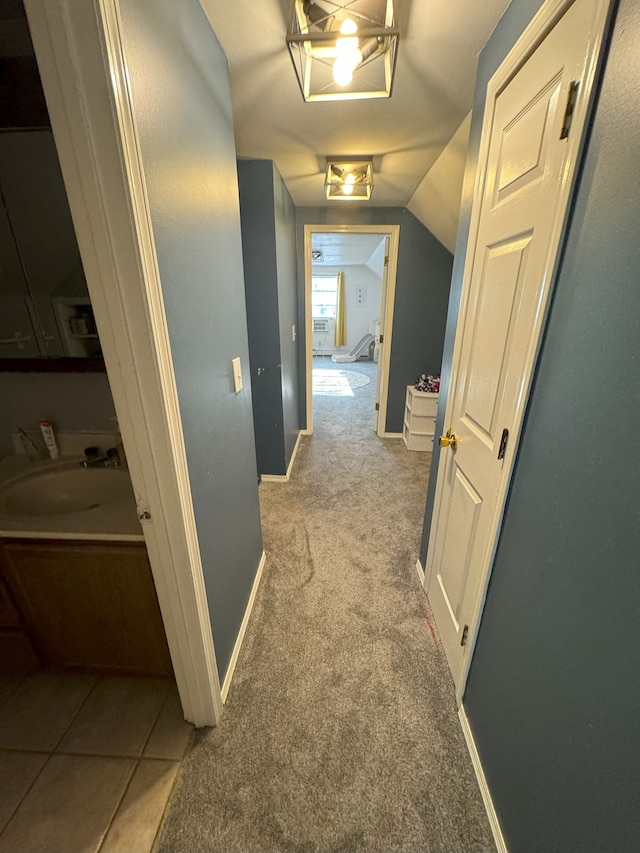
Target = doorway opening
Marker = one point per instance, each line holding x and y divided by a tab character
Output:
350	278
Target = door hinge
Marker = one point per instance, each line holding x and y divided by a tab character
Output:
465	634
381	339
386	260
377	407
571	105
503	443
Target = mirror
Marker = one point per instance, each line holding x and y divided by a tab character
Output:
45	310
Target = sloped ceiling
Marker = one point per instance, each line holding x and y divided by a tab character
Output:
436	201
405	134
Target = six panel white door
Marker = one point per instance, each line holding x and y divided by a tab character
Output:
512	263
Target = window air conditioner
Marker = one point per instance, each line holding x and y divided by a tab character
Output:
321	324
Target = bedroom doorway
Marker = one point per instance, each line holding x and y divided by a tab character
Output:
350	276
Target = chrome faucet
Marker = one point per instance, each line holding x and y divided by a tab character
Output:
92	458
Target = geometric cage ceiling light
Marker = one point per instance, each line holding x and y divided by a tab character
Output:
349	180
343	50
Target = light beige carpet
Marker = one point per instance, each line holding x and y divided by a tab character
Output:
338	383
340	731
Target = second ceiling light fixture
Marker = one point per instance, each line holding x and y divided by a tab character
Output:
349	181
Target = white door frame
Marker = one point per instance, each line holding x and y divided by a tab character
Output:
544	21
393	232
383	309
79	51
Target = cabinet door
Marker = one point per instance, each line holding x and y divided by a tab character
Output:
89	605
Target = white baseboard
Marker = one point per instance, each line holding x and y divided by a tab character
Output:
284	478
498	837
392	435
420	572
293	455
226	684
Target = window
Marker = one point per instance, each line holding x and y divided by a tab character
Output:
324	295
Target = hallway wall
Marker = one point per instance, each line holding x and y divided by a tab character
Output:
553	691
422	294
267	217
182	106
286	263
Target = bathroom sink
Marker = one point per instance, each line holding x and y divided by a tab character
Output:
63	489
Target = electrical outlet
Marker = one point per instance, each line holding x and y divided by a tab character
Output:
237	374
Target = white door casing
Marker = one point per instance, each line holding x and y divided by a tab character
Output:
381	344
81	62
386	318
521	196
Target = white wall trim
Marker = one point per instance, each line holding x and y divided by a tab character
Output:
496	829
392	435
386	324
284	478
80	56
420	572
540	26
226	684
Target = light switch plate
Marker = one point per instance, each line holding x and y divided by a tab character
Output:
293	332
237	374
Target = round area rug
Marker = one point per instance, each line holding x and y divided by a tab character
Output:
337	383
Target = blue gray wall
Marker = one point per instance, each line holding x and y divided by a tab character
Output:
554	690
422	295
257	216
181	100
285	230
268	243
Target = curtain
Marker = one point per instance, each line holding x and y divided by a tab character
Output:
340	334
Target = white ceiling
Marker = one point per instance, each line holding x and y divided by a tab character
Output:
345	249
433	92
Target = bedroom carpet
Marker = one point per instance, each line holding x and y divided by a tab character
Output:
340	731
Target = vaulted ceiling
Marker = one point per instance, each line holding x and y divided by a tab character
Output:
406	134
417	138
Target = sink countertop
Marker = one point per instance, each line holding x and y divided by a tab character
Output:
114	522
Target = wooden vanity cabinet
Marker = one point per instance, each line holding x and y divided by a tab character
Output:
17	653
88	605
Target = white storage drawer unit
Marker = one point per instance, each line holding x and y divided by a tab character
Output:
420	412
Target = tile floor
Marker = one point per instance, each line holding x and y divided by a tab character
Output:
86	763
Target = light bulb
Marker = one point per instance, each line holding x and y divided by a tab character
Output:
349	55
349	181
343	70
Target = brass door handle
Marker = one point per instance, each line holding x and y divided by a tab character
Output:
449	440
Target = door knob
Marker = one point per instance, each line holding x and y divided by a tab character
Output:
449	440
